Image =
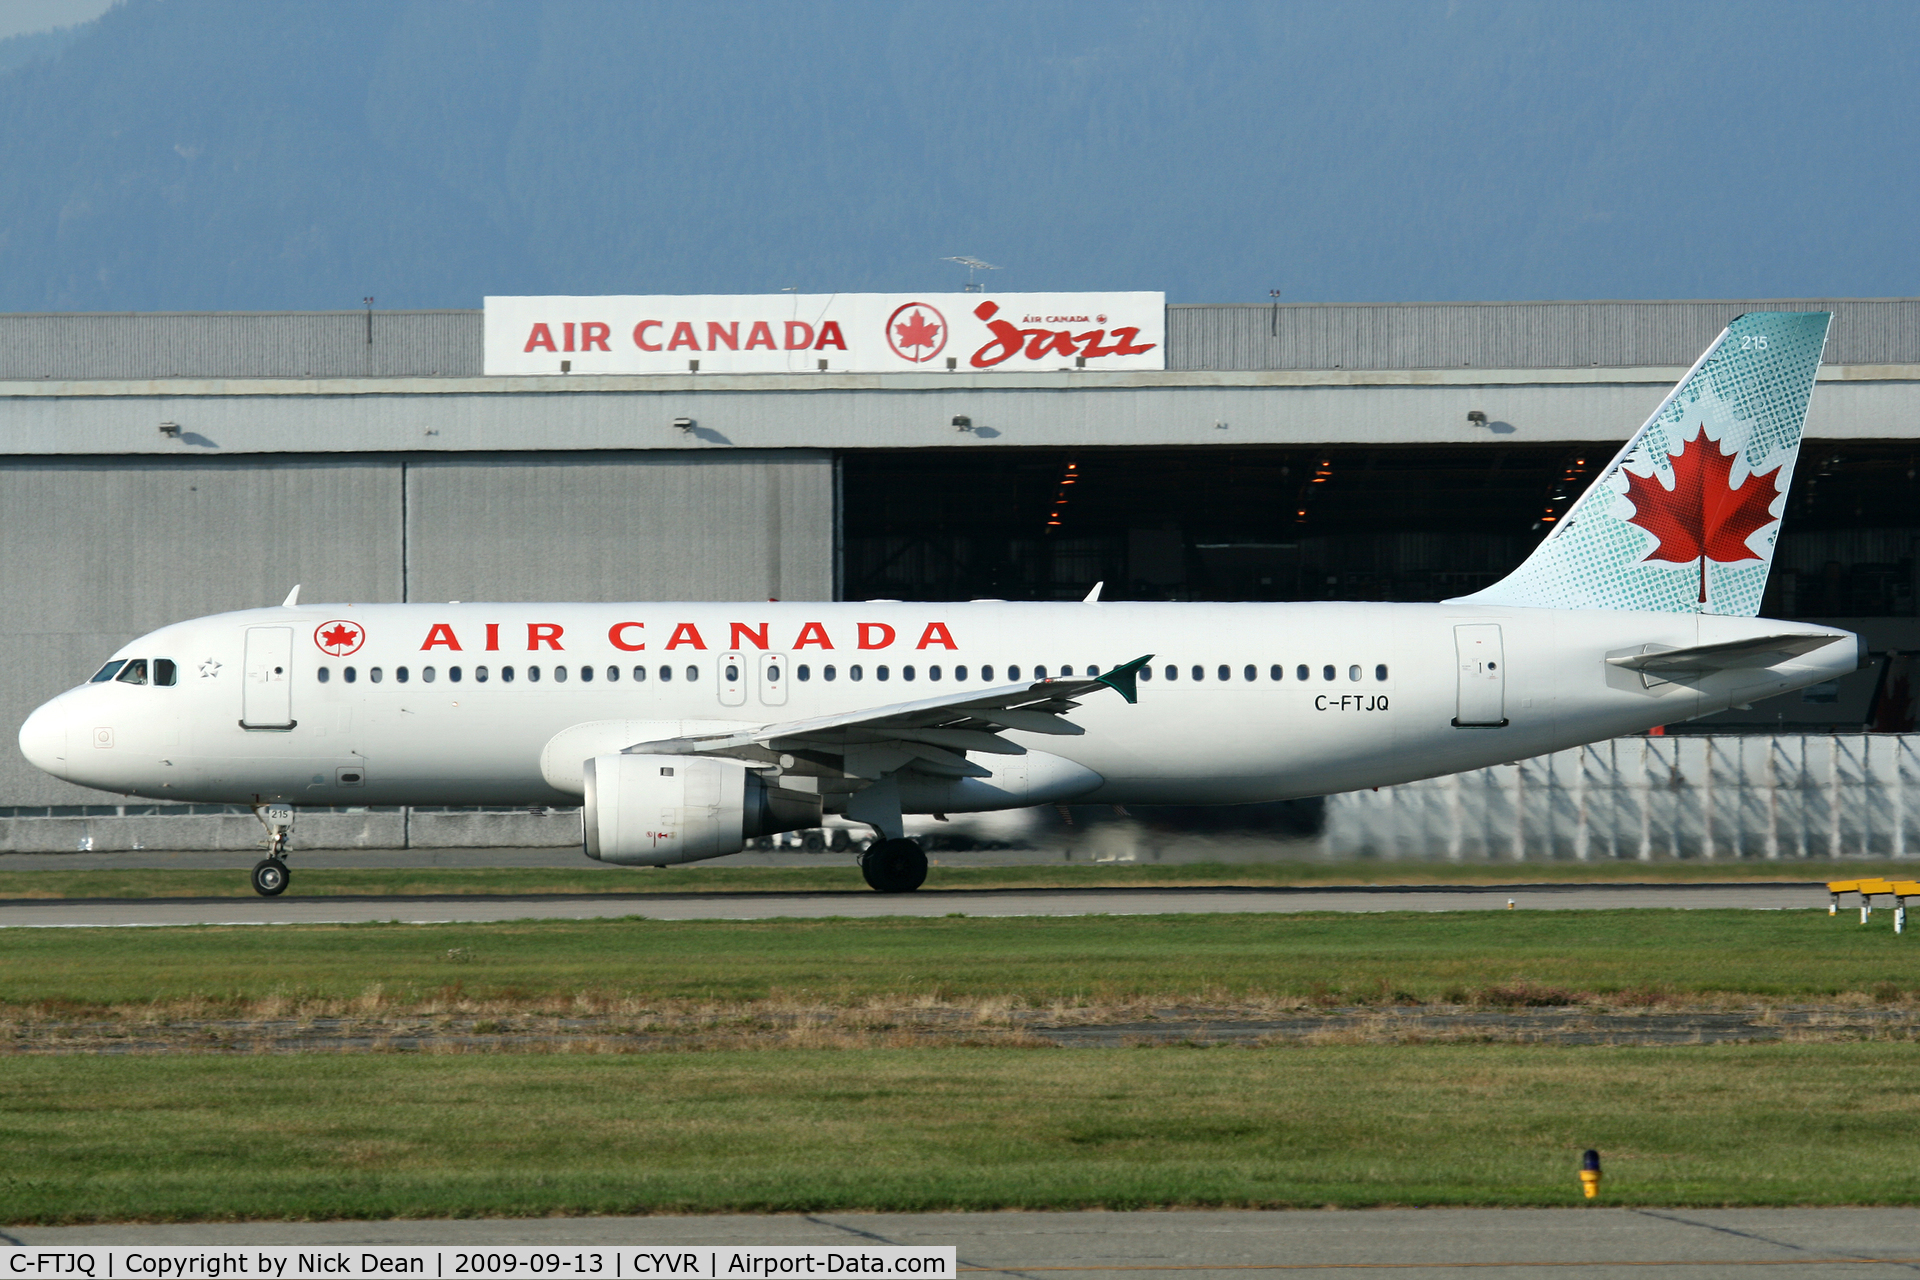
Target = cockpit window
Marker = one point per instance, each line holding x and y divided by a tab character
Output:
135	672
164	672
106	672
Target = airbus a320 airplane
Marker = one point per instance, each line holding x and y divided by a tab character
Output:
684	730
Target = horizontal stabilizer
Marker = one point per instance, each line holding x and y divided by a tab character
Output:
1762	651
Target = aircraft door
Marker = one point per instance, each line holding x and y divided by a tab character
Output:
266	689
1482	694
733	679
773	679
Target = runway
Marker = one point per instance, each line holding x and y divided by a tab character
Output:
101	913
1406	1243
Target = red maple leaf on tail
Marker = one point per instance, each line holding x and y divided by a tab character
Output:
916	332
1703	517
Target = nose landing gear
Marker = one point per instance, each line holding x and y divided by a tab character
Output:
270	877
270	874
894	866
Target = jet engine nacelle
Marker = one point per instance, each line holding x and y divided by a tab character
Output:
655	811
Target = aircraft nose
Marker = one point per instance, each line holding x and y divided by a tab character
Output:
43	739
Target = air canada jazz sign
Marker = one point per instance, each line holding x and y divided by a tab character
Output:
850	332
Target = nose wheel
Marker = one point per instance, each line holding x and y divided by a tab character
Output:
894	866
270	877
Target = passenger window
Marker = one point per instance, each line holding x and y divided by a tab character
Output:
1066	670
666	674
959	673
322	675
1249	673
1353	672
453	674
106	672
856	672
1013	672
933	673
349	674
586	675
882	672
693	673
1300	672
400	674
426	675
1224	673
613	674
506	675
1199	672
1146	673
986	673
1040	673
533	675
906	673
640	674
376	675
733	672
164	672
1380	672
1173	672
803	672
1276	672
479	674
1326	672
559	675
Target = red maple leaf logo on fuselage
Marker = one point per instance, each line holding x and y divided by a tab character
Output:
339	637
1703	517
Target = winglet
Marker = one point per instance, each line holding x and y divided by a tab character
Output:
1093	596
1126	678
293	597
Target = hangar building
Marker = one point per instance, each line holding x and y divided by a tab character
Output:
161	466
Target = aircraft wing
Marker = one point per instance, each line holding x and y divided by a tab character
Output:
932	735
1702	659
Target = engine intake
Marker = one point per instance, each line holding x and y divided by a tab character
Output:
656	811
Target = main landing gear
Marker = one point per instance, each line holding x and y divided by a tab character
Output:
894	866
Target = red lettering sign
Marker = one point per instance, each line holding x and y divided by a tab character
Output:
741	631
830	336
683	337
760	336
616	636
936	633
441	637
868	629
815	634
493	636
640	336
718	333
805	332
539	633
593	335
541	337
686	633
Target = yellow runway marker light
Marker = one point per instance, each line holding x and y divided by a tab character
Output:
1590	1174
1834	889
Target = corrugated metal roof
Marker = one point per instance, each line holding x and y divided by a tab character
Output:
239	344
1512	335
1482	335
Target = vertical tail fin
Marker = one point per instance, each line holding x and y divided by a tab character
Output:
1684	519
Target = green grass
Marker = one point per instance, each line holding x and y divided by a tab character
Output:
839	873
373	1136
1323	958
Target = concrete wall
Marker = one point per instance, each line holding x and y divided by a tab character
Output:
99	550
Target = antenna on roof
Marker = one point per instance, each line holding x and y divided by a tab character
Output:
972	265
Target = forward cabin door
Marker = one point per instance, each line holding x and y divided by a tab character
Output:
266	689
1481	699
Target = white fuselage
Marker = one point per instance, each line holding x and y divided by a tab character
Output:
1383	685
